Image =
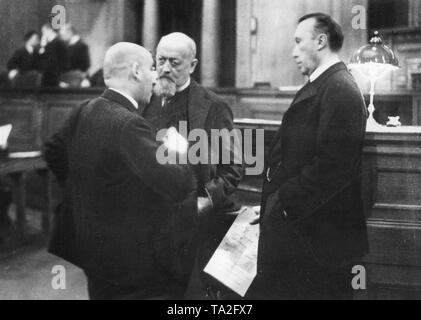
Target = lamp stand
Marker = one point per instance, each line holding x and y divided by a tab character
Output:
371	122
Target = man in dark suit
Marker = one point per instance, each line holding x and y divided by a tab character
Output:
53	57
119	198
78	51
78	54
25	59
180	99
312	220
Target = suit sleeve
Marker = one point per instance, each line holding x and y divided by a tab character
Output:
138	147
55	154
55	150
85	60
228	176
338	152
14	61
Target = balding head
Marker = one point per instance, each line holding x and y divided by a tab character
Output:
175	62
128	66
120	58
180	42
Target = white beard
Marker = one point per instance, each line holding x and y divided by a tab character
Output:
165	88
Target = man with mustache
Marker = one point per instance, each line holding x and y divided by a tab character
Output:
179	98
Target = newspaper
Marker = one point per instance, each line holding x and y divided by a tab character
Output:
4	135
234	263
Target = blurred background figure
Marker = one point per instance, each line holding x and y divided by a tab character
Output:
79	60
5	201
53	57
97	79
23	65
5	198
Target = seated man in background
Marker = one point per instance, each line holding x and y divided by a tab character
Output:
53	57
25	59
78	55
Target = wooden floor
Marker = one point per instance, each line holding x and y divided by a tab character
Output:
26	269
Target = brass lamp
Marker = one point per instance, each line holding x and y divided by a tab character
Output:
373	61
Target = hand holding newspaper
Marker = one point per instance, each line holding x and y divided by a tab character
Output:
4	135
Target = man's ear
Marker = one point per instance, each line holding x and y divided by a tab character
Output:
135	71
322	41
193	65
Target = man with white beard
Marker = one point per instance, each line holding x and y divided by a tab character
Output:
178	98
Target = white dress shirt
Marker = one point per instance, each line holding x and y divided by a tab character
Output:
184	86
322	68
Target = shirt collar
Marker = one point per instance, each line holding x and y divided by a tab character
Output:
30	49
185	86
75	39
322	68
133	101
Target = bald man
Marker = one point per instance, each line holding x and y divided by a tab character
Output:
116	220
178	98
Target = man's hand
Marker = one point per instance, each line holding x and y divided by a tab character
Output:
85	83
13	74
257	219
204	205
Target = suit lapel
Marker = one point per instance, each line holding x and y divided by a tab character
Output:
309	91
198	107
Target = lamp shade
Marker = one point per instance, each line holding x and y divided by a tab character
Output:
375	57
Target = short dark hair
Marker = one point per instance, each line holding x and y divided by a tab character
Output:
325	24
29	35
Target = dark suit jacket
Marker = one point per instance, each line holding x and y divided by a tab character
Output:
23	61
207	111
79	58
53	62
120	197
315	162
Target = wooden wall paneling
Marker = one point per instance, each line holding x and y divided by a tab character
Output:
244	44
57	108
267	55
272	61
26	117
416	111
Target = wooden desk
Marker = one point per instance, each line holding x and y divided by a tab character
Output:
17	170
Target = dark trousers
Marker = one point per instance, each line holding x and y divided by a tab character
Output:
99	289
5	201
304	280
203	286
